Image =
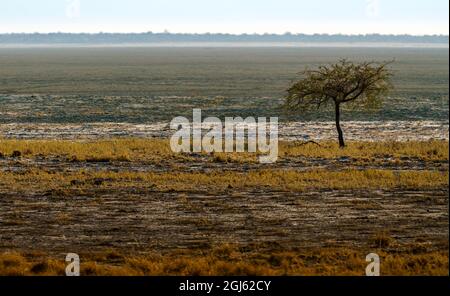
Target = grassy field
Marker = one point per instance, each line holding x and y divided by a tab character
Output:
142	210
277	176
136	149
229	260
86	167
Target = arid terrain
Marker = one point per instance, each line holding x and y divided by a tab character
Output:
86	167
134	197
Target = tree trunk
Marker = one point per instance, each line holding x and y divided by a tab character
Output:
338	126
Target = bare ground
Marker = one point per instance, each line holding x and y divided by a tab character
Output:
139	219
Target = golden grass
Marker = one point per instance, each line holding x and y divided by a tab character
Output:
158	150
425	150
136	149
275	179
230	260
225	260
115	149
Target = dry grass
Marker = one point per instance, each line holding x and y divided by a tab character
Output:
223	260
158	151
429	150
101	150
135	149
230	260
276	179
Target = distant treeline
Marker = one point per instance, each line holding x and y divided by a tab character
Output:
117	38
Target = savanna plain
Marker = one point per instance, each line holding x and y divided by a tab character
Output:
86	166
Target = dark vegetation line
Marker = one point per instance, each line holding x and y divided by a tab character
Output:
150	37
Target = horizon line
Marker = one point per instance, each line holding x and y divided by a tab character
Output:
228	33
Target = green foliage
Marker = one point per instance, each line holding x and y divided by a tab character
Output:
361	84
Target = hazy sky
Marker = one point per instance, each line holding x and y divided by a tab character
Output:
417	17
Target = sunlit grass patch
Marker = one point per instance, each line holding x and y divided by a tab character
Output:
229	260
276	179
136	149
426	150
91	151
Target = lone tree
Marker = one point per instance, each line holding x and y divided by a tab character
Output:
359	84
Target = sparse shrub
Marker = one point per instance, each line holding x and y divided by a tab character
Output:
16	154
40	267
381	240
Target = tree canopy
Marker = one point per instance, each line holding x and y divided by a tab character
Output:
362	84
